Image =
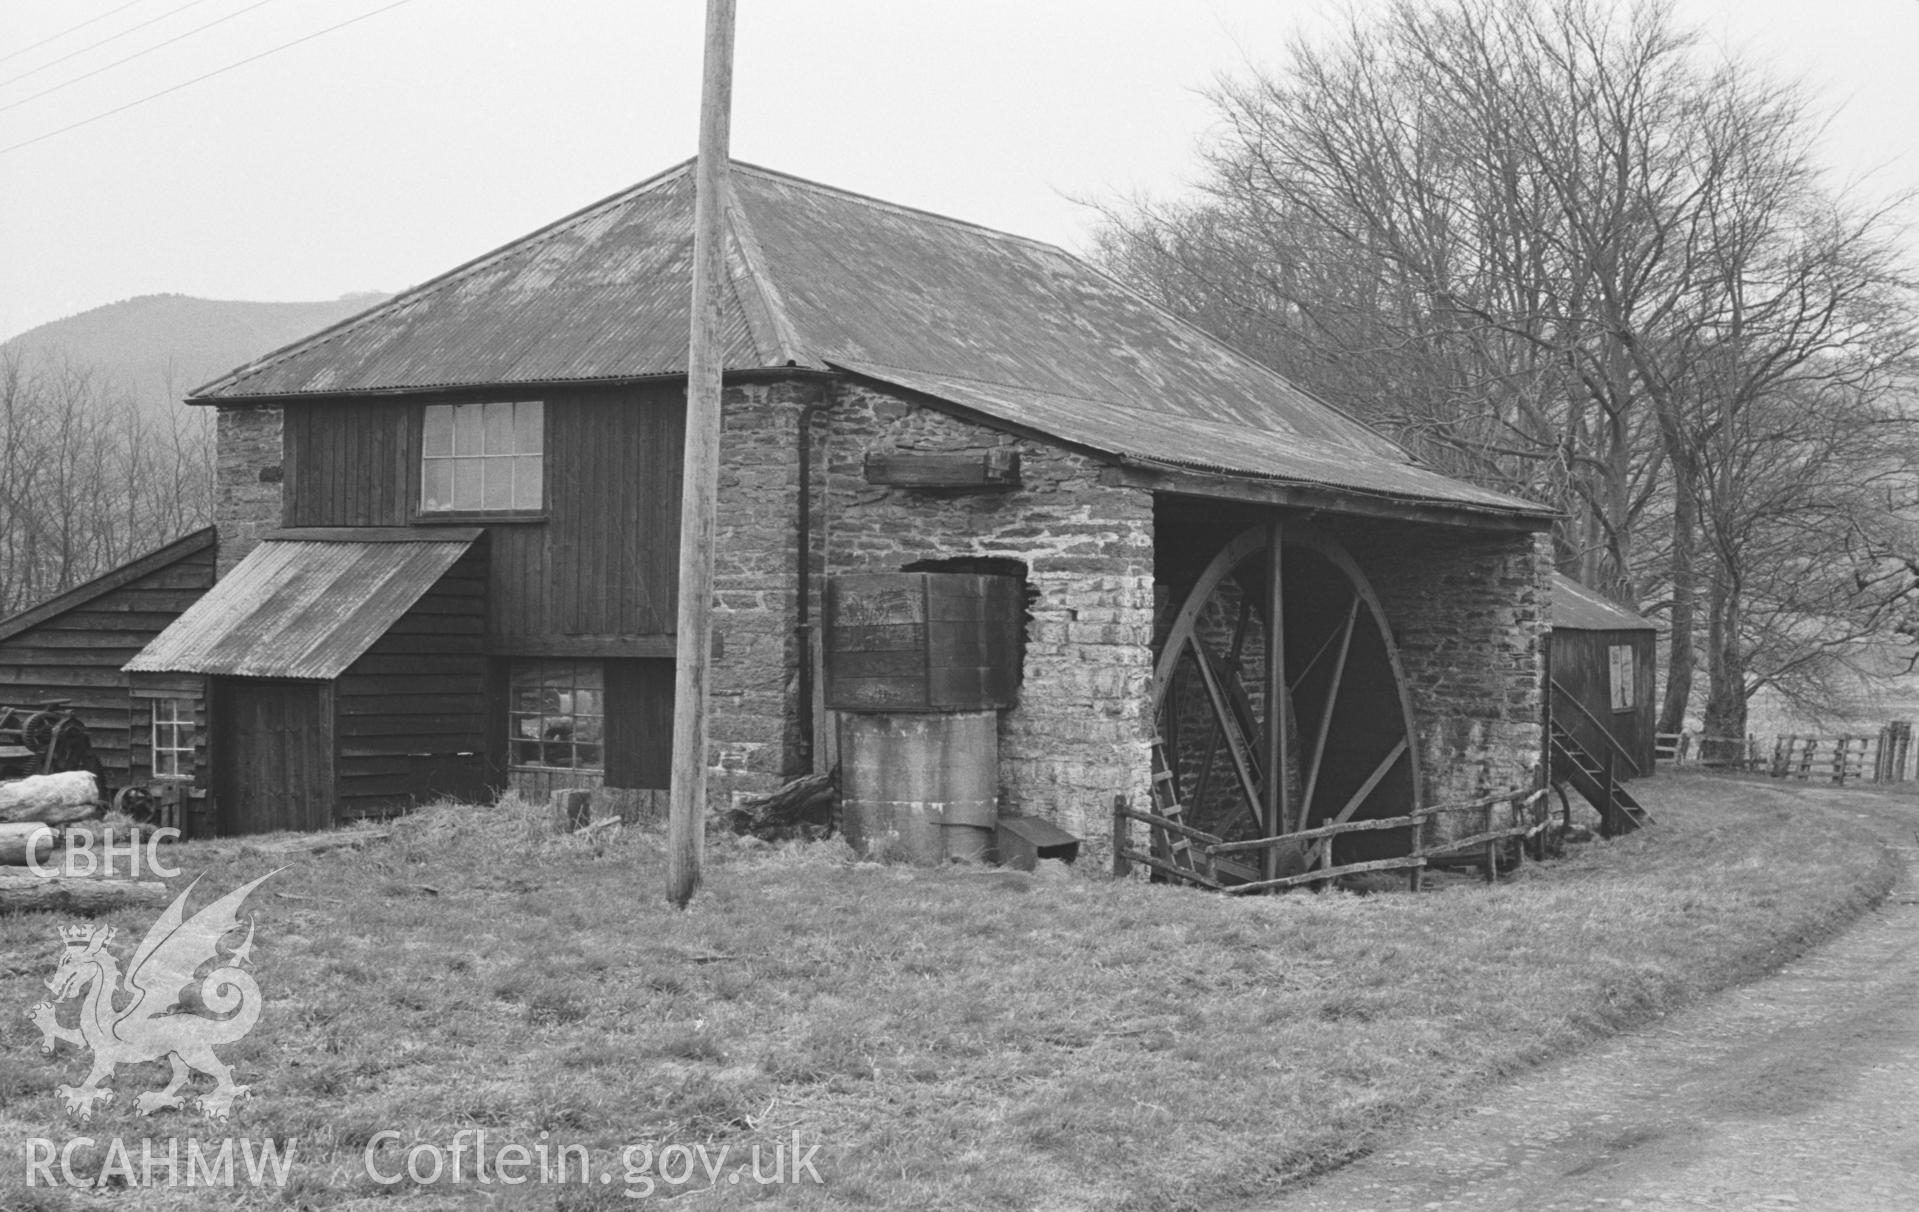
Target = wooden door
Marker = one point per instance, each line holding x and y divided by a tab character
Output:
274	755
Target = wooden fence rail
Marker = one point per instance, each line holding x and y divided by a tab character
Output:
1884	757
1207	853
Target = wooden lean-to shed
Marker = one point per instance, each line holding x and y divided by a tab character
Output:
1601	659
70	649
347	674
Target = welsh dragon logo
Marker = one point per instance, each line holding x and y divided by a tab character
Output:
154	1023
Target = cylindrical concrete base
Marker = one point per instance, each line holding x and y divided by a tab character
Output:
924	788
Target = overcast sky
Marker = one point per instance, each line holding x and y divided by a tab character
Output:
387	151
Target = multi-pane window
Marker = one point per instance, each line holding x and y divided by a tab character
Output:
172	738
482	458
556	715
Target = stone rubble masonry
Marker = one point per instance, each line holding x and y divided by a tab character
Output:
1470	612
1080	733
753	687
249	468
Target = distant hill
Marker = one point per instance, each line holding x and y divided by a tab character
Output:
159	347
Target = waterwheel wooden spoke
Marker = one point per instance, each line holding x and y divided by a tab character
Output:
1279	697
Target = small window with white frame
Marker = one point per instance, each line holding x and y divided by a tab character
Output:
173	726
483	458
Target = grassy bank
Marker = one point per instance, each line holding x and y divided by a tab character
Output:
949	1038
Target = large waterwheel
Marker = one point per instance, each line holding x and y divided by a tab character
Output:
1326	704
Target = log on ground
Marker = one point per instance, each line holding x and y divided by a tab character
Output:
27	893
14	837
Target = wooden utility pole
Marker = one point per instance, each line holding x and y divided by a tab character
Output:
686	829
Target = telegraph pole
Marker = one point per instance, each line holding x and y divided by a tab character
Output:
686	828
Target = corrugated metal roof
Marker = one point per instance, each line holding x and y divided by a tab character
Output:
1156	439
1028	332
300	609
1577	608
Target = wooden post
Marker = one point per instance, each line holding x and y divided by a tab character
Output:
1278	702
1121	836
686	829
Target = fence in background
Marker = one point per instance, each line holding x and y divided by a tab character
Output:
1846	758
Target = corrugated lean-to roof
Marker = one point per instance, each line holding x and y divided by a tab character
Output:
301	609
1577	608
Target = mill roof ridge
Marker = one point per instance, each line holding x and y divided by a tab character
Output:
821	277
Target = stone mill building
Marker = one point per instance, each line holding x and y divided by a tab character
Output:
447	533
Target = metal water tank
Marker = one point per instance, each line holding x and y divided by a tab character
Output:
919	664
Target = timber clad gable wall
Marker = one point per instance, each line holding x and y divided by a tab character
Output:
76	654
410	713
597	567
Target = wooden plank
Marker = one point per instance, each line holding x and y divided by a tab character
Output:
1480	839
57	676
411	733
399	696
369	533
585	646
1181	873
1161	822
876	694
1323	874
120	613
968	689
1215	486
877	637
1324	831
83	639
903	665
78	657
957	471
876	600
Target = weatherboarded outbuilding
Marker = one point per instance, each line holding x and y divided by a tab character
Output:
70	649
1222	575
1603	668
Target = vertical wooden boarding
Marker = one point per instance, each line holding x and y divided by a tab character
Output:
277	769
639	722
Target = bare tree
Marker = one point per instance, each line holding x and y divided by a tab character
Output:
1558	250
86	481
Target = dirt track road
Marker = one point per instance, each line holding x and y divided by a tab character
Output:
1800	1091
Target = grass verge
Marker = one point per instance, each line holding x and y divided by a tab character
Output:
950	1039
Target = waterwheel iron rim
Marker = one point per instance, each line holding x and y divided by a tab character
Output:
1363	619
